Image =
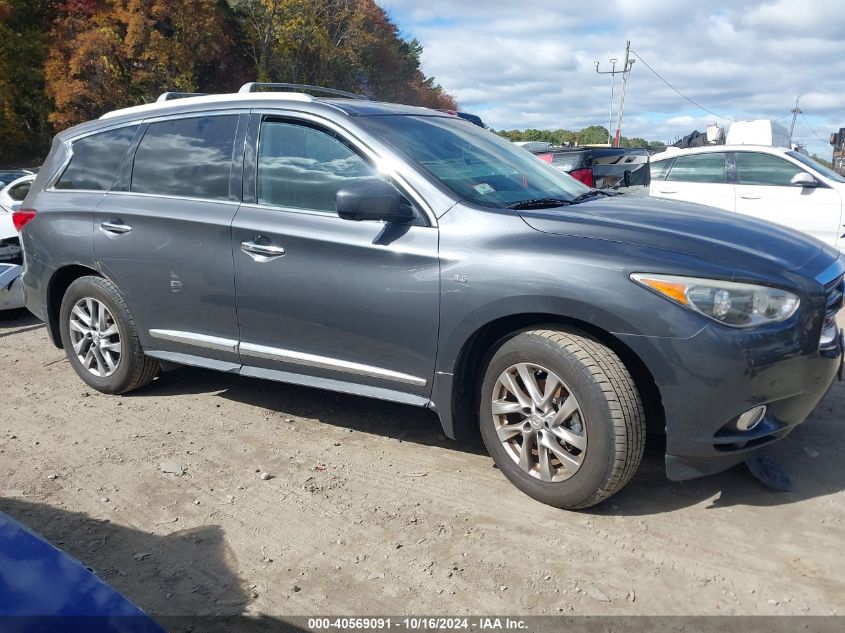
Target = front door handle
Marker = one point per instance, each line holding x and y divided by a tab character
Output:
262	252
115	226
749	196
668	190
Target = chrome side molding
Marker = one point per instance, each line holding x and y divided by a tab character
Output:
200	340
286	355
325	362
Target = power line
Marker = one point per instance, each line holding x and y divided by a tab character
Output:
811	129
697	105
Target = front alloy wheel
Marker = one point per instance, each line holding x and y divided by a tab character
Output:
561	416
539	422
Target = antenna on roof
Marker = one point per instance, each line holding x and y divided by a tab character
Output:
255	86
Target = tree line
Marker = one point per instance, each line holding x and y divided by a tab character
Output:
67	61
592	135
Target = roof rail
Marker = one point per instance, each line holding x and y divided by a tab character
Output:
285	87
168	96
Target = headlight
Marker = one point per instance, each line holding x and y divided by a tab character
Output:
734	304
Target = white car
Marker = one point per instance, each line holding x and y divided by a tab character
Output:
13	194
771	183
11	287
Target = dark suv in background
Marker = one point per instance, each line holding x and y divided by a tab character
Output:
404	254
602	167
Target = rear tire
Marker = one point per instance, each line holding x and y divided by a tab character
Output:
100	339
582	419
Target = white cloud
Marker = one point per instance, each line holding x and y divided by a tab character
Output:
530	64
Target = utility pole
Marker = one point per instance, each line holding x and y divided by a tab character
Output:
795	112
626	69
612	72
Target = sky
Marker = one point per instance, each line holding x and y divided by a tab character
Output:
532	63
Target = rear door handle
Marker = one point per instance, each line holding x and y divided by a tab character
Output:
749	196
262	252
115	226
668	190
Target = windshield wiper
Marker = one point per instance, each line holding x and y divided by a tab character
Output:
589	194
539	203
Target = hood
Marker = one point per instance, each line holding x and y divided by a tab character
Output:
44	589
730	239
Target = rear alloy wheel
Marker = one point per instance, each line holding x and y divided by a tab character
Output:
95	337
100	339
561	417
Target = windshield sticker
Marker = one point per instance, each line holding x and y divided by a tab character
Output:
483	188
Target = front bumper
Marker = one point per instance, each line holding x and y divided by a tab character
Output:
11	287
708	380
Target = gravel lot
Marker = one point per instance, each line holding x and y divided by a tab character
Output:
369	509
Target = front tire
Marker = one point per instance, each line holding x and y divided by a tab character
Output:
100	339
561	417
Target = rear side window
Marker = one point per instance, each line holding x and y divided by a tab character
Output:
18	192
96	159
567	161
698	168
189	158
303	168
659	169
753	168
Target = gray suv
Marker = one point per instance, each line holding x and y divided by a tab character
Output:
404	254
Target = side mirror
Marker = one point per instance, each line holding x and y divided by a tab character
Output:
372	199
803	179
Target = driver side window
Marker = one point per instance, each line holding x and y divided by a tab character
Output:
754	168
303	167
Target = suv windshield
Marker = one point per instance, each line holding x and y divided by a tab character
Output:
474	163
809	162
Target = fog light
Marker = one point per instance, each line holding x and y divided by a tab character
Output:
751	418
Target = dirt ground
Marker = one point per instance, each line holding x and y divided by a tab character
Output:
371	510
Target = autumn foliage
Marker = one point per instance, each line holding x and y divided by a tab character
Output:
63	62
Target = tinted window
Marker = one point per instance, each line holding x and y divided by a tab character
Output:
18	192
698	168
186	157
303	167
567	161
475	164
824	171
762	169
96	159
659	169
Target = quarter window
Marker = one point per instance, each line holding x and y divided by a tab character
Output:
18	192
659	169
303	167
698	168
189	158
754	168
96	159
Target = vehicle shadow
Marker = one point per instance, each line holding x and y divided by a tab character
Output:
407	423
17	321
802	454
154	571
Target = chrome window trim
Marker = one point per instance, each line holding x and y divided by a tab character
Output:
165	196
200	340
376	160
325	362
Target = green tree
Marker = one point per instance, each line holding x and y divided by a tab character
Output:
24	105
593	135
